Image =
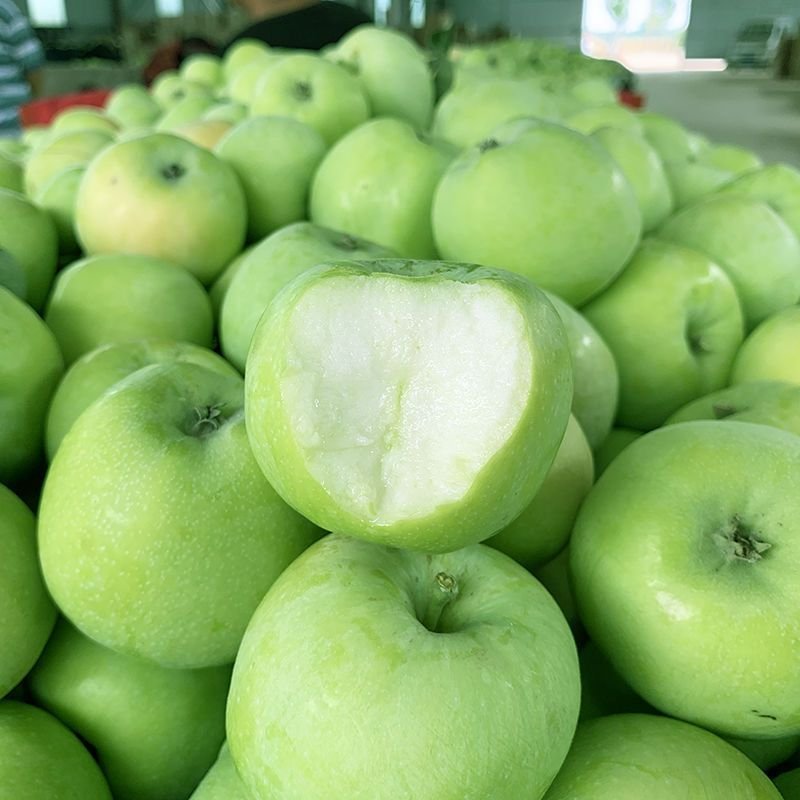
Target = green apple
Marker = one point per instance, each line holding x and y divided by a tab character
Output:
635	756
27	614
219	288
228	112
170	89
588	120
415	403
12	275
393	70
554	576
58	197
187	109
222	781
616	441
70	149
683	566
94	373
204	132
14	149
644	170
131	106
33	136
777	185
275	159
593	92
29	236
164	197
772	351
155	731
385	660
469	114
269	266
603	692
378	182
154	509
511	203
313	90
40	759
203	68
10	174
543	528
242	86
692	180
594	374
82	118
763	402
30	369
674	324
751	243
120	298
789	785
731	158
670	139
242	53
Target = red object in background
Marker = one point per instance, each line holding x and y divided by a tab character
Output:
631	99
41	112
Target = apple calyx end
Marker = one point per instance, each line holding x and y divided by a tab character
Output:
303	90
738	543
205	421
173	171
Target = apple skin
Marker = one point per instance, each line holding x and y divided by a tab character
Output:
155	731
70	149
554	576
10	174
204	132
242	53
731	158
27	614
674	324
766	753
771	351
789	784
222	781
275	159
750	242
188	512
82	118
692	180
510	203
660	557
242	86
469	114
131	106
161	196
269	266
764	402
30	369
378	182
588	120
644	170
495	650
544	526
669	138
475	493
313	90
188	109
97	371
218	289
778	185
633	756
119	298
616	441
227	112
58	198
41	759
393	70
29	235
594	374
203	68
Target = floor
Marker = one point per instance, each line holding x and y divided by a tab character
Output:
743	108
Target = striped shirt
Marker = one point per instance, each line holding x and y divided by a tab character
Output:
20	52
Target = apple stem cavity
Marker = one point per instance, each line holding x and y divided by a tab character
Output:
723	410
205	421
302	90
173	172
738	543
444	593
488	144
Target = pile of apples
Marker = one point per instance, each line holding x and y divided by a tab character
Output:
359	445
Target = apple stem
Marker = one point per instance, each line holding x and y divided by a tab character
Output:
445	592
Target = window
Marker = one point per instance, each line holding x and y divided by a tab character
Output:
169	8
382	11
47	13
418	13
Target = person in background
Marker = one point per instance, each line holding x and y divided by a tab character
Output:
21	56
298	24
